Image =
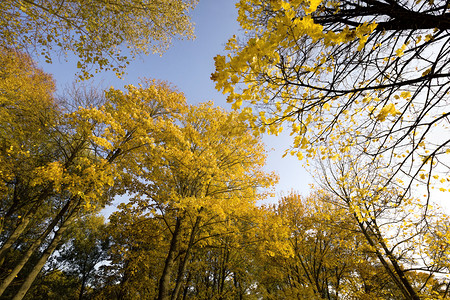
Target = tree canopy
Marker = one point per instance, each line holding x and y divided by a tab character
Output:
361	86
101	34
350	73
61	163
205	175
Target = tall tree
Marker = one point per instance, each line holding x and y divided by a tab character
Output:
366	92
81	254
403	233
206	172
27	112
72	272
59	164
95	31
323	251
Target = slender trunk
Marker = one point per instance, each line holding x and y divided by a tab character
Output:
40	264
398	270
121	293
164	282
13	237
26	218
35	245
237	285
82	288
397	275
446	291
183	264
223	271
186	287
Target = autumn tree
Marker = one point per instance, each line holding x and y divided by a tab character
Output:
406	235
81	254
221	262
27	110
96	32
354	73
224	266
53	284
72	271
135	258
313	249
364	91
59	164
206	173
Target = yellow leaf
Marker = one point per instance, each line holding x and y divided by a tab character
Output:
405	94
426	72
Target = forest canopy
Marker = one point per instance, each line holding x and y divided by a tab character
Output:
361	86
102	35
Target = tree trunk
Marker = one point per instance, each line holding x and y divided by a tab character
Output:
13	237
223	270
83	287
398	270
397	275
183	264
35	245
40	264
164	282
17	232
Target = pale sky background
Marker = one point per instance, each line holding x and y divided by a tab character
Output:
188	65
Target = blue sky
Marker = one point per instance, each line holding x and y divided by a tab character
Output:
188	65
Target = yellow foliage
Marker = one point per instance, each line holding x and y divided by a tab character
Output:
92	31
388	109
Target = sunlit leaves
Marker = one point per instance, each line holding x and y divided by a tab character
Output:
210	160
93	32
202	175
315	249
60	162
354	80
261	55
394	225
